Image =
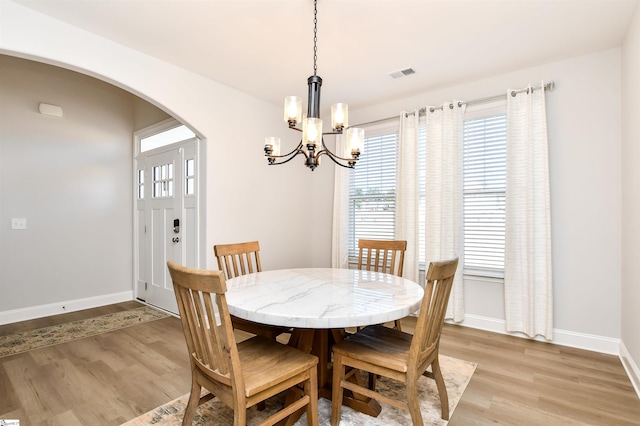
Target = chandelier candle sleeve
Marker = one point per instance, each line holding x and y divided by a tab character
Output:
272	145
355	141
292	110
339	116
312	131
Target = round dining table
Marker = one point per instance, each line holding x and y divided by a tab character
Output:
318	304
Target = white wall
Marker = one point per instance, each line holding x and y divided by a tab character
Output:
244	198
585	154
631	200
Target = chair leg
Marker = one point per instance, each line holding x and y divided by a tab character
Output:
413	400
337	391
372	381
192	405
442	388
311	389
240	416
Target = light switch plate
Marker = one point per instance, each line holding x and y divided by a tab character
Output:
19	223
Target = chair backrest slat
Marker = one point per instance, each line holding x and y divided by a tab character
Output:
382	255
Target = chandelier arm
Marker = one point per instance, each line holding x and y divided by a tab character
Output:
291	155
297	150
272	161
333	156
350	162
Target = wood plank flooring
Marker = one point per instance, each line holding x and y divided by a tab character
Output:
116	376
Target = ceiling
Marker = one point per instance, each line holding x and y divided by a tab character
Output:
265	47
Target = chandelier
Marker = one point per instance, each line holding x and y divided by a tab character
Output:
312	145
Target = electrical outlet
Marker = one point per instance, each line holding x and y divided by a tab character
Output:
19	223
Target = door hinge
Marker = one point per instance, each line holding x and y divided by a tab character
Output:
145	286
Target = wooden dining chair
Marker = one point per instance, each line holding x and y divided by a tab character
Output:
382	256
400	356
239	374
240	259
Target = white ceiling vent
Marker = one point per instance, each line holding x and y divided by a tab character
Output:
402	73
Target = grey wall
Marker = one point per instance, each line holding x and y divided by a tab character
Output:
70	177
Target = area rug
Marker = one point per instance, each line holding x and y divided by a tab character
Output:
62	333
457	374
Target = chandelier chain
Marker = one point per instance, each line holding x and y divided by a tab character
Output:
315	37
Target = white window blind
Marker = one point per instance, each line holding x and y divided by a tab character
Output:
485	151
372	190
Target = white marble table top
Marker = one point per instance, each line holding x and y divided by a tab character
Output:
322	297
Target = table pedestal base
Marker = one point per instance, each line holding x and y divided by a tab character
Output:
319	342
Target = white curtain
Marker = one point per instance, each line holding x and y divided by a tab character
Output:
407	195
444	233
340	234
527	272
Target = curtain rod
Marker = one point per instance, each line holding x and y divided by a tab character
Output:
547	87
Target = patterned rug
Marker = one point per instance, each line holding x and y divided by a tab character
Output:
61	333
457	374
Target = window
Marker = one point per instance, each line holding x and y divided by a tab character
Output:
485	173
372	189
166	137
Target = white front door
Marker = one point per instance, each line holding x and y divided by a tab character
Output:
167	220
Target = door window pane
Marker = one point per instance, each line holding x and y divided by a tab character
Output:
163	181
189	175
140	184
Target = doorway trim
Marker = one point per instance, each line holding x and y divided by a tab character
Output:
200	191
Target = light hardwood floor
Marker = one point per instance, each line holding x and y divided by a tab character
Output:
114	377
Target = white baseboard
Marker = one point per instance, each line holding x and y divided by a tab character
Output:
631	367
32	312
572	339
